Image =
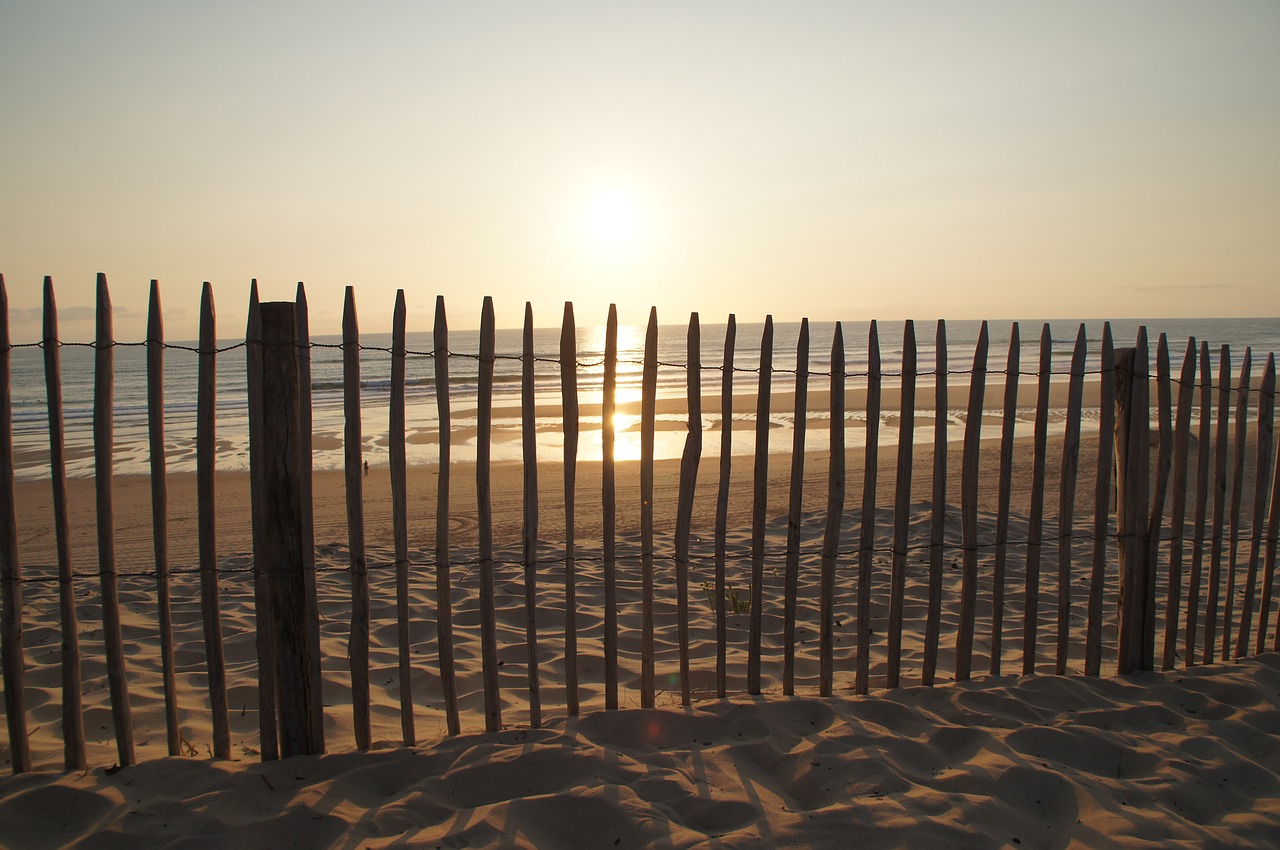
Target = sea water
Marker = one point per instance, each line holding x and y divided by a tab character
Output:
131	452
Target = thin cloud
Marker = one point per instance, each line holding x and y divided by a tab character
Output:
68	315
65	314
1180	287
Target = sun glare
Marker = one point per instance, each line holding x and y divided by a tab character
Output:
614	234
613	218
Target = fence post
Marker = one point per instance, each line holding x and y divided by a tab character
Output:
1204	446
902	505
1101	503
722	499
484	520
938	514
791	578
206	528
529	448
1005	493
1035	525
444	603
13	663
835	514
400	516
759	507
969	507
1136	641
648	414
688	485
103	454
302	331
282	536
353	454
72	703
569	406
160	513
608	494
268	745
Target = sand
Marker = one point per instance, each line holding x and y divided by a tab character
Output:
1157	760
1187	757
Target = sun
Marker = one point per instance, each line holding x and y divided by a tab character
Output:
613	219
613	231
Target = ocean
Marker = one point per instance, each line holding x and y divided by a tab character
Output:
30	418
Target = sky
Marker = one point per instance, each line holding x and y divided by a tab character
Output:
831	160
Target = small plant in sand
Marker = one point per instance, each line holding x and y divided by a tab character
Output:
735	603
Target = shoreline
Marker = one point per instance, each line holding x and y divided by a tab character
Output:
133	510
131	450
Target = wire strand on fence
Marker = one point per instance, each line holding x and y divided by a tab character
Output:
623	555
599	363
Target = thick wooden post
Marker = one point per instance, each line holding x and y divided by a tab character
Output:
284	565
15	707
1137	647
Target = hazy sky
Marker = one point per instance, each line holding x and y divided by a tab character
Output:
832	160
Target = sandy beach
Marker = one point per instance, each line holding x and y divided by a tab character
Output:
1186	757
1175	759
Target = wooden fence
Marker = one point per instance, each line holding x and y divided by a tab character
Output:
1138	545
